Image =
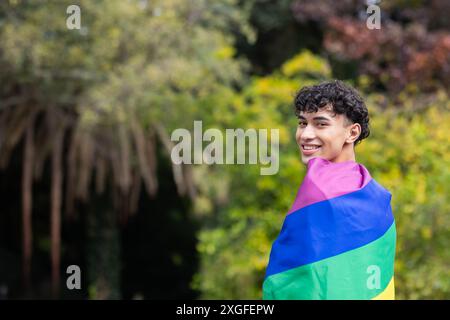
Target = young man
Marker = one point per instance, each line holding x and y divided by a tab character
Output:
338	239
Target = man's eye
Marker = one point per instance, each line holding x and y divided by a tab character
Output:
302	124
322	124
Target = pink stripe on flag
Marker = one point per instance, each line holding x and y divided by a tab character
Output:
325	180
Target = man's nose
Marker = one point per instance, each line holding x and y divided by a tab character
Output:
307	133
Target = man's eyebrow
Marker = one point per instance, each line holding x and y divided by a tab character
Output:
321	118
315	118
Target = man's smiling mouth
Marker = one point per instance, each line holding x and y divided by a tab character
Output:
310	146
308	149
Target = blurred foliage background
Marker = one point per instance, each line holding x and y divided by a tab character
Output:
86	117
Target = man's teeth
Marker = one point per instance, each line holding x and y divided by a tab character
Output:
310	147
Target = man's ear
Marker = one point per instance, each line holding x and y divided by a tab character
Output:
354	133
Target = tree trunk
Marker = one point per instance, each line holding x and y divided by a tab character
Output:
56	191
27	204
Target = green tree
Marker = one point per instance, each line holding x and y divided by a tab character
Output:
97	100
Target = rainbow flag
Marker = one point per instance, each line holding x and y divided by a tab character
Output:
338	239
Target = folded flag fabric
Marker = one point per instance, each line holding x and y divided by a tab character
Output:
338	239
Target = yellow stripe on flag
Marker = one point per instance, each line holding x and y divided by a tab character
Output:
388	293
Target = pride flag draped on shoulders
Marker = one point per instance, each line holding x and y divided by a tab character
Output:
337	241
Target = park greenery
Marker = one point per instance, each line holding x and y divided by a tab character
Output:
86	117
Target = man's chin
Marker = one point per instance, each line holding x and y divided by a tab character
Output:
305	159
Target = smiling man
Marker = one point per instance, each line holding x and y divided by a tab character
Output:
338	238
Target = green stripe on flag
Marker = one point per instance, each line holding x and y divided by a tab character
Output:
349	275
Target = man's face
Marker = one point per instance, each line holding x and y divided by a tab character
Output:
324	134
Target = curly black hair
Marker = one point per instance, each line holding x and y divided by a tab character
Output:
343	99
